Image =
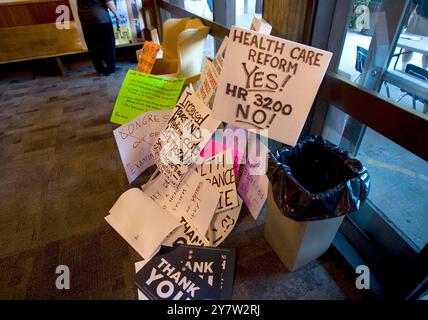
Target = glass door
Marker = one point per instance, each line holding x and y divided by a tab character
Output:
384	50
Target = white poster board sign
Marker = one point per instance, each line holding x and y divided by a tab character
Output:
219	172
268	83
135	138
193	203
186	133
221	226
141	222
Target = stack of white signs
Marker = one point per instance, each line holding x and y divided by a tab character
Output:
261	87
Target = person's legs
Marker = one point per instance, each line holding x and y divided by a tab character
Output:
108	47
91	33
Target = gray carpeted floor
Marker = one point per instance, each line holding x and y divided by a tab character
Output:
60	174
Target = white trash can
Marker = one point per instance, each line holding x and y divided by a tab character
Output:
297	243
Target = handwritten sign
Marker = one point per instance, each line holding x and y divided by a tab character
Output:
181	141
253	190
223	223
186	233
141	222
214	147
141	92
218	171
253	185
219	56
193	202
268	83
147	56
208	83
211	74
260	25
135	138
221	226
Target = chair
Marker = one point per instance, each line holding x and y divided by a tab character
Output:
360	61
417	72
182	45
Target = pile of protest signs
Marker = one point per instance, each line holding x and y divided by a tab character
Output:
209	148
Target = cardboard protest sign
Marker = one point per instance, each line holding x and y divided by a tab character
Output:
268	83
141	222
260	25
135	138
147	56
219	172
141	92
187	273
181	141
193	202
165	278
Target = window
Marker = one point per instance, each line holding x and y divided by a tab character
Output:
395	219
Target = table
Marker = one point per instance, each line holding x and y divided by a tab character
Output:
411	42
412	85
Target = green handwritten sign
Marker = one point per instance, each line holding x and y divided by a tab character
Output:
141	92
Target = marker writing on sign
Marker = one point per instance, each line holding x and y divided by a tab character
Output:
263	104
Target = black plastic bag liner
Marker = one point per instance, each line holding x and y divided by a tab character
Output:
316	180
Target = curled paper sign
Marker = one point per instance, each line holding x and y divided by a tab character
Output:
221	226
193	202
185	135
268	83
141	222
135	138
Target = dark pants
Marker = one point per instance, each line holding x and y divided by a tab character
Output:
101	46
